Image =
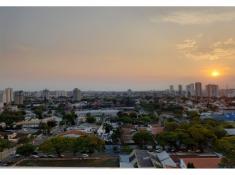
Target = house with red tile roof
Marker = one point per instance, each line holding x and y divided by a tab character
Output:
198	160
201	162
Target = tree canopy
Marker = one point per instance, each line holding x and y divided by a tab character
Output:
143	137
4	143
25	150
69	118
83	144
10	117
90	119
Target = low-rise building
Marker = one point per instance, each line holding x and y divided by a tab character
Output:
145	159
197	160
230	131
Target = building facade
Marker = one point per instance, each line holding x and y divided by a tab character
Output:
198	89
212	90
190	91
180	90
19	97
76	95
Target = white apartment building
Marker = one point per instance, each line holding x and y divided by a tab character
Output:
6	96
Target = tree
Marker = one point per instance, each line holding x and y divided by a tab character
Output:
185	139
51	123
56	144
86	144
70	118
171	126
24	139
90	119
219	131
228	161
133	115
143	137
4	143
145	119
75	145
167	138
39	110
90	144
83	144
202	136
193	115
225	144
116	135
25	150
125	119
10	117
108	127
46	127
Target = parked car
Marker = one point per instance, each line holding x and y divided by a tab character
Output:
35	153
85	155
35	156
51	156
61	155
17	155
43	156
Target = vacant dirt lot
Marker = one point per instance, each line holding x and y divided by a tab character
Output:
91	162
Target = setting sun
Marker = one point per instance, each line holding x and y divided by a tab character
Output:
215	73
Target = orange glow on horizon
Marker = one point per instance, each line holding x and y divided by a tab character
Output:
215	73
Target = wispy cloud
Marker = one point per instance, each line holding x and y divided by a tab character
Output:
193	49
196	17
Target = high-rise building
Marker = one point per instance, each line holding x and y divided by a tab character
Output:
2	96
180	90
190	90
8	96
46	94
19	98
171	90
76	94
198	89
129	92
61	93
212	90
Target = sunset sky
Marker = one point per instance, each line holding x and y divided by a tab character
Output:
116	48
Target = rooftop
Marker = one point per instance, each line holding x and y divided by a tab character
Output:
230	131
143	159
203	162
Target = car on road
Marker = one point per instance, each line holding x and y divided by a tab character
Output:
61	156
51	156
17	155
85	155
34	156
43	156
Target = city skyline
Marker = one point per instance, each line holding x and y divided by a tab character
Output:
198	87
114	48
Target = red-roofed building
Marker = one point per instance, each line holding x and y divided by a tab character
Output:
201	162
157	130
